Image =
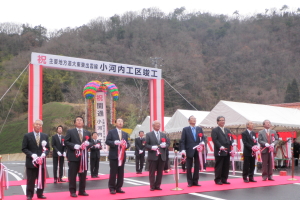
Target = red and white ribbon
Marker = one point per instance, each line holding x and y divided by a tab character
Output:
121	151
256	152
3	180
83	159
201	148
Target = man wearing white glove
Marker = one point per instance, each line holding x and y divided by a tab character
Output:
156	161
114	159
95	155
265	138
74	138
139	152
222	140
249	139
189	139
58	148
32	147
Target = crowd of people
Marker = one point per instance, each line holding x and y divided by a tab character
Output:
192	147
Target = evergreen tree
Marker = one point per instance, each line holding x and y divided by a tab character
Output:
295	91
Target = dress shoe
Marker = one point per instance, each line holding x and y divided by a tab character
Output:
270	179
83	194
246	181
166	171
196	184
151	189
158	188
190	185
61	180
120	191
252	180
219	183
29	198
73	195
42	197
225	182
264	179
112	192
55	180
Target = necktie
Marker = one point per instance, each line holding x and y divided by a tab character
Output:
223	130
268	132
59	138
120	134
194	133
37	138
80	135
157	136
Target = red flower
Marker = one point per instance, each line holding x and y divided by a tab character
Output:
144	142
62	139
272	134
200	134
229	134
87	137
163	139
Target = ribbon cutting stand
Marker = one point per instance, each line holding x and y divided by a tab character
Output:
176	172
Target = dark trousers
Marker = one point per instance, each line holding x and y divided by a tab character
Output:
156	165
32	175
192	179
267	170
248	168
116	172
139	162
222	168
73	171
94	166
61	166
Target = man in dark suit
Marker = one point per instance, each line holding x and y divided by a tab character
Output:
249	140
156	145
116	139
222	143
58	154
32	146
139	152
296	148
77	144
267	139
190	139
95	155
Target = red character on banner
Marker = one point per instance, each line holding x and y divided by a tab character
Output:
42	59
99	97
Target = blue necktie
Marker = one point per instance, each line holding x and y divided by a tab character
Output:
194	132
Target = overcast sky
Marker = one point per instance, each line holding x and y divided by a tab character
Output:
56	14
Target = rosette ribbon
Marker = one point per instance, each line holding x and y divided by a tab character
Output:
84	156
62	142
121	151
3	180
163	140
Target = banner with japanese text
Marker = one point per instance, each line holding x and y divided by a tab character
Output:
101	118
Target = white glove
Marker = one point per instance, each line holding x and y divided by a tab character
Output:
234	144
64	154
183	152
86	143
59	154
44	143
43	155
117	142
76	146
202	143
154	148
140	151
272	144
163	145
222	148
33	156
267	145
97	146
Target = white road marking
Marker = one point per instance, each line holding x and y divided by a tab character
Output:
206	196
132	183
18	179
142	182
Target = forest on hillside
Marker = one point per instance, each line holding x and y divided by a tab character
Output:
204	57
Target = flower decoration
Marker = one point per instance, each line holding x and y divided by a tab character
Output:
163	139
200	134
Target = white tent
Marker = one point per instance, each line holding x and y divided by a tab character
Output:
145	126
180	119
237	114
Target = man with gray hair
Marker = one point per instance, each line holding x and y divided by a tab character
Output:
249	140
267	139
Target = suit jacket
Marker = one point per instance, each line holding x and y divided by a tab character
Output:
30	147
220	139
263	139
71	139
248	142
151	140
188	140
110	141
95	152
57	145
139	146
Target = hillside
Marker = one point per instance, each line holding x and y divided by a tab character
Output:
205	57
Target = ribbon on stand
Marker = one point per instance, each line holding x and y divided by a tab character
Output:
121	151
3	179
256	152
